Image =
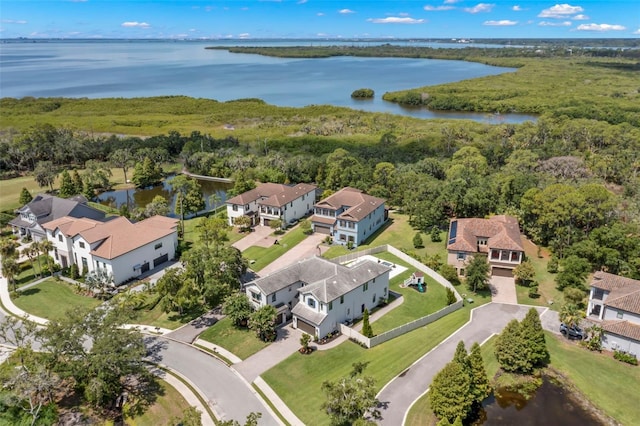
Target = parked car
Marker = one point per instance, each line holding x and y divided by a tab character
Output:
572	332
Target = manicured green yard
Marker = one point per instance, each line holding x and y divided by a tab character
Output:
241	342
51	299
30	271
265	255
399	234
547	285
415	304
169	403
297	380
610	384
150	313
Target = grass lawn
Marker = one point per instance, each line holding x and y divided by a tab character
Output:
265	255
192	232
150	313
51	299
241	342
415	304
547	284
399	234
298	379
169	403
610	384
29	272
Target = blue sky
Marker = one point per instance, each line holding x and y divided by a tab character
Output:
238	19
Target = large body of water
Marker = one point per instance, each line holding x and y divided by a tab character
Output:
99	69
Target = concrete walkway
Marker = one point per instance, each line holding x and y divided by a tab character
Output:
308	247
259	236
503	290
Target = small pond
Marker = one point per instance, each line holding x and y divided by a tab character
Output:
550	405
140	197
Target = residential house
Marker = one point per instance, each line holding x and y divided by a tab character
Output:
269	201
45	208
122	248
349	215
498	237
319	294
614	301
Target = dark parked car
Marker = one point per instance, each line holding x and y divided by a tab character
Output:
572	332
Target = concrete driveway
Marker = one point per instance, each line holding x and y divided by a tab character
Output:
399	394
503	289
259	236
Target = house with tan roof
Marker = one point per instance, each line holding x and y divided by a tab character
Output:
269	201
349	215
319	294
122	248
614	301
497	237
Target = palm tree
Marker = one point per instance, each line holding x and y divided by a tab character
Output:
35	252
10	268
45	247
28	251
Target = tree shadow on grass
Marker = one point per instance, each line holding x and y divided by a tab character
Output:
30	291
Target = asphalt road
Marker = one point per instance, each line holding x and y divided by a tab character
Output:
398	395
227	393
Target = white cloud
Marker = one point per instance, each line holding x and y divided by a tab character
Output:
480	7
516	8
14	21
430	8
78	1
501	23
600	27
396	20
560	11
555	24
134	24
580	18
451	1
345	11
319	14
244	35
636	31
302	1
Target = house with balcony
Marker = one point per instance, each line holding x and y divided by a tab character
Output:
614	302
497	237
269	201
349	215
45	208
122	248
318	294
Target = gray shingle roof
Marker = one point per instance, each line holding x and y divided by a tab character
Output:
47	208
313	317
324	279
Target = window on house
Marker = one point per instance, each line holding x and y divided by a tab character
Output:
273	297
462	272
384	291
462	255
157	246
619	315
246	207
330	305
60	237
85	265
482	241
504	255
311	302
289	288
81	244
365	287
55	251
373	300
598	294
235	208
256	296
341	300
343	237
374	280
495	254
515	256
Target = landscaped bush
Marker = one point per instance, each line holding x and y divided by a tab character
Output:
625	357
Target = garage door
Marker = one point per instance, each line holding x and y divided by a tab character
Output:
158	260
502	272
306	327
323	229
144	268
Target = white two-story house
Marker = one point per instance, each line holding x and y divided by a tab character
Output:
497	237
319	294
44	208
269	201
614	301
122	248
349	215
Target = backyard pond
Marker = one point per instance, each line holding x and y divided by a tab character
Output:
140	197
550	405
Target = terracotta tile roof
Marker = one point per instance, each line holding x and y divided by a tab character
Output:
622	328
358	204
624	293
71	226
502	232
272	194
